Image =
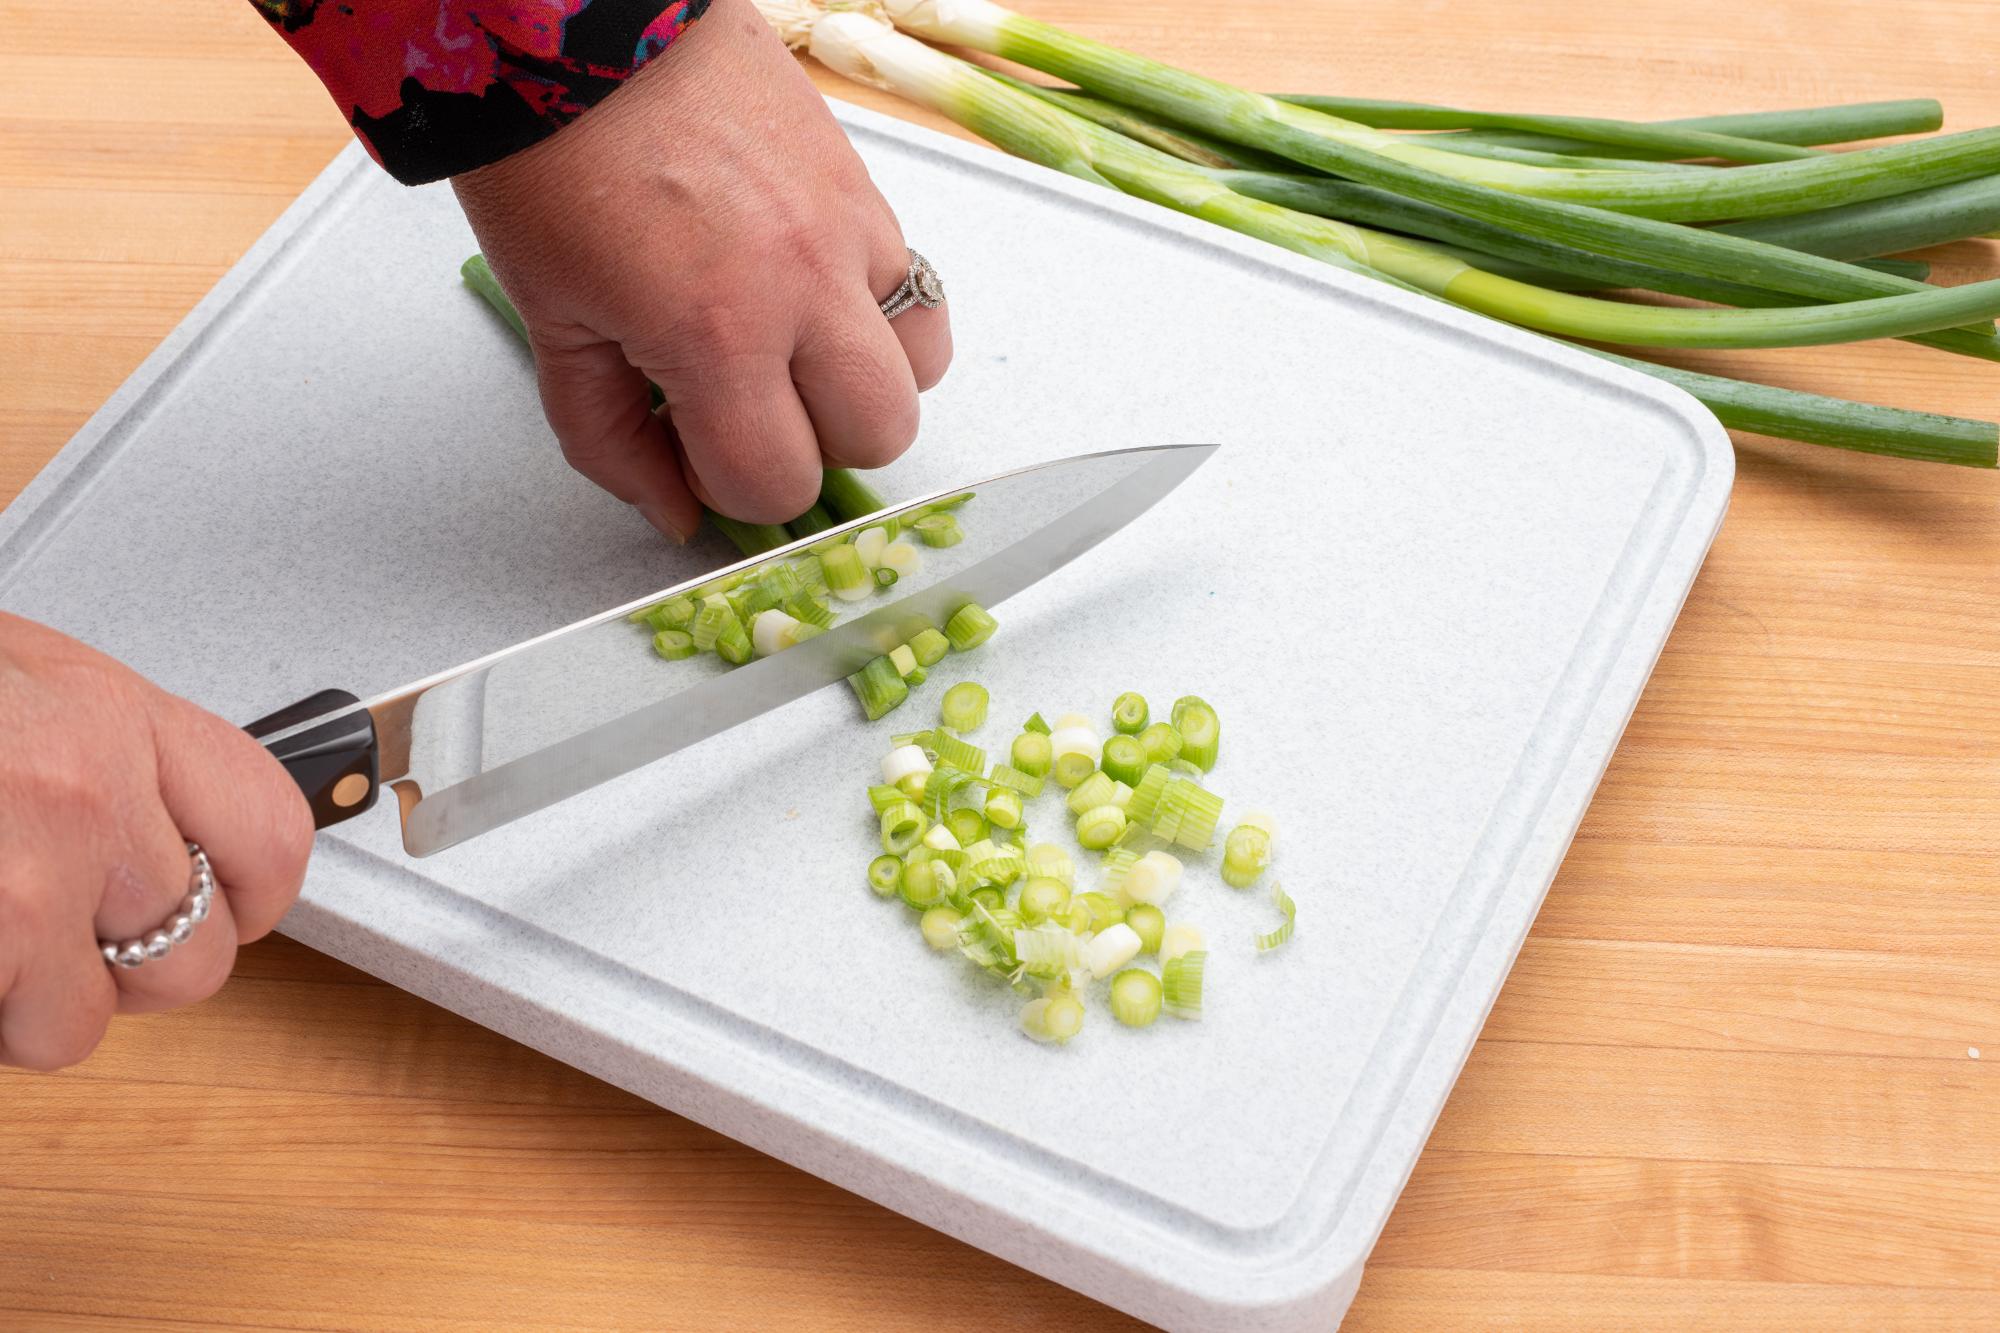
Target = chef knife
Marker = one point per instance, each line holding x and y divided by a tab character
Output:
470	749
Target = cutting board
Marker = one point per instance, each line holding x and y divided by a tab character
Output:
1424	580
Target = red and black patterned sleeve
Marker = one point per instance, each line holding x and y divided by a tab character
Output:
436	87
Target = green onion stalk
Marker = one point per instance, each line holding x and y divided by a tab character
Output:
869	51
1376	157
1332	143
1844	123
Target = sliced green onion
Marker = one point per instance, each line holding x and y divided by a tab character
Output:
847	575
879	686
1121	795
773	631
814	520
1136	996
1180	939
1092	792
674	644
927	884
1032	754
1003	807
812	578
941	926
1101	827
1073	767
808	609
1110	949
1118	863
940	838
708	622
1036	725
942	785
1043	899
1124	759
732	645
1272	939
847	496
988	897
960	754
1128	713
969	627
1153	878
1046	951
913	785
882	797
929	646
1181	982
903	826
1054	1018
1005	775
968	826
902	558
905	660
884	577
674	613
1200	729
1245	853
885	875
1146	794
1187	814
869	543
964	706
938	530
750	538
1150	923
1161	744
1100	911
917	677
1048	861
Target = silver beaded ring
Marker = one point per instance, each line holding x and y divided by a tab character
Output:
176	929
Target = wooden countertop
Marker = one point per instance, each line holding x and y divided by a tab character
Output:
1731	1081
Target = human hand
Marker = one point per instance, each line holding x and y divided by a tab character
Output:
104	778
709	228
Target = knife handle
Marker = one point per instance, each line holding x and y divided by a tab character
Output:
335	765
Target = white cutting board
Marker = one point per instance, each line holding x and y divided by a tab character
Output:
1424	581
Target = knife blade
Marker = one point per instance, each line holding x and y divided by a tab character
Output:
482	744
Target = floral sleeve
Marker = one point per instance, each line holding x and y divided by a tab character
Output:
436	87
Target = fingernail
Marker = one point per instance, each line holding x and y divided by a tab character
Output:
657	516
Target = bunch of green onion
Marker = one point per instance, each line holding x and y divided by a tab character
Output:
1514	216
956	850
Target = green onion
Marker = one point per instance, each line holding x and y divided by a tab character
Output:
1036	725
773	631
1003	808
1118	863
1092	792
1181	982
885	875
941	926
1100	911
881	797
969	627
1245	853
879	686
1032	754
960	754
988	897
846	576
1146	794
916	677
1054	1018
968	826
938	530
1124	759
903	826
1160	743
1075	748
903	659
847	496
674	644
1048	861
1128	713
901	559
1200	729
1187	814
1099	828
814	520
1180	940
1043	899
1272	939
929	646
674	613
884	577
1110	949
1005	775
1046	951
964	706
927	884
1135	997
1153	878
808	609
1150	923
1806	125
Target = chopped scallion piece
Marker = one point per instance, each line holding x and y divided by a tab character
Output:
1146	793
1055	1018
1048	861
808	609
869	544
940	838
1149	922
940	926
1245	853
1124	759
1161	743
1180	939
1092	792
708	622
969	627
674	644
902	557
879	686
1006	775
927	884
885	875
1136	997
1046	951
964	706
1272	939
938	529
968	826
929	646
1042	899
1032	754
1036	725
1200	729
773	632
674	613
959	754
1187	814
1100	910
1128	713
1071	769
885	577
732	645
1181	983
992	899
905	659
884	796
1110	949
846	576
1101	827
902	827
1153	878
1003	806
917	676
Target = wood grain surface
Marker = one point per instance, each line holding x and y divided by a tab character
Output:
1732	1082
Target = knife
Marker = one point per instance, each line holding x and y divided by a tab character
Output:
470	749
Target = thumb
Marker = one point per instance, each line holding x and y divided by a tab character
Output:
601	410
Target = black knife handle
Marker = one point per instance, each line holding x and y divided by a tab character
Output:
335	765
